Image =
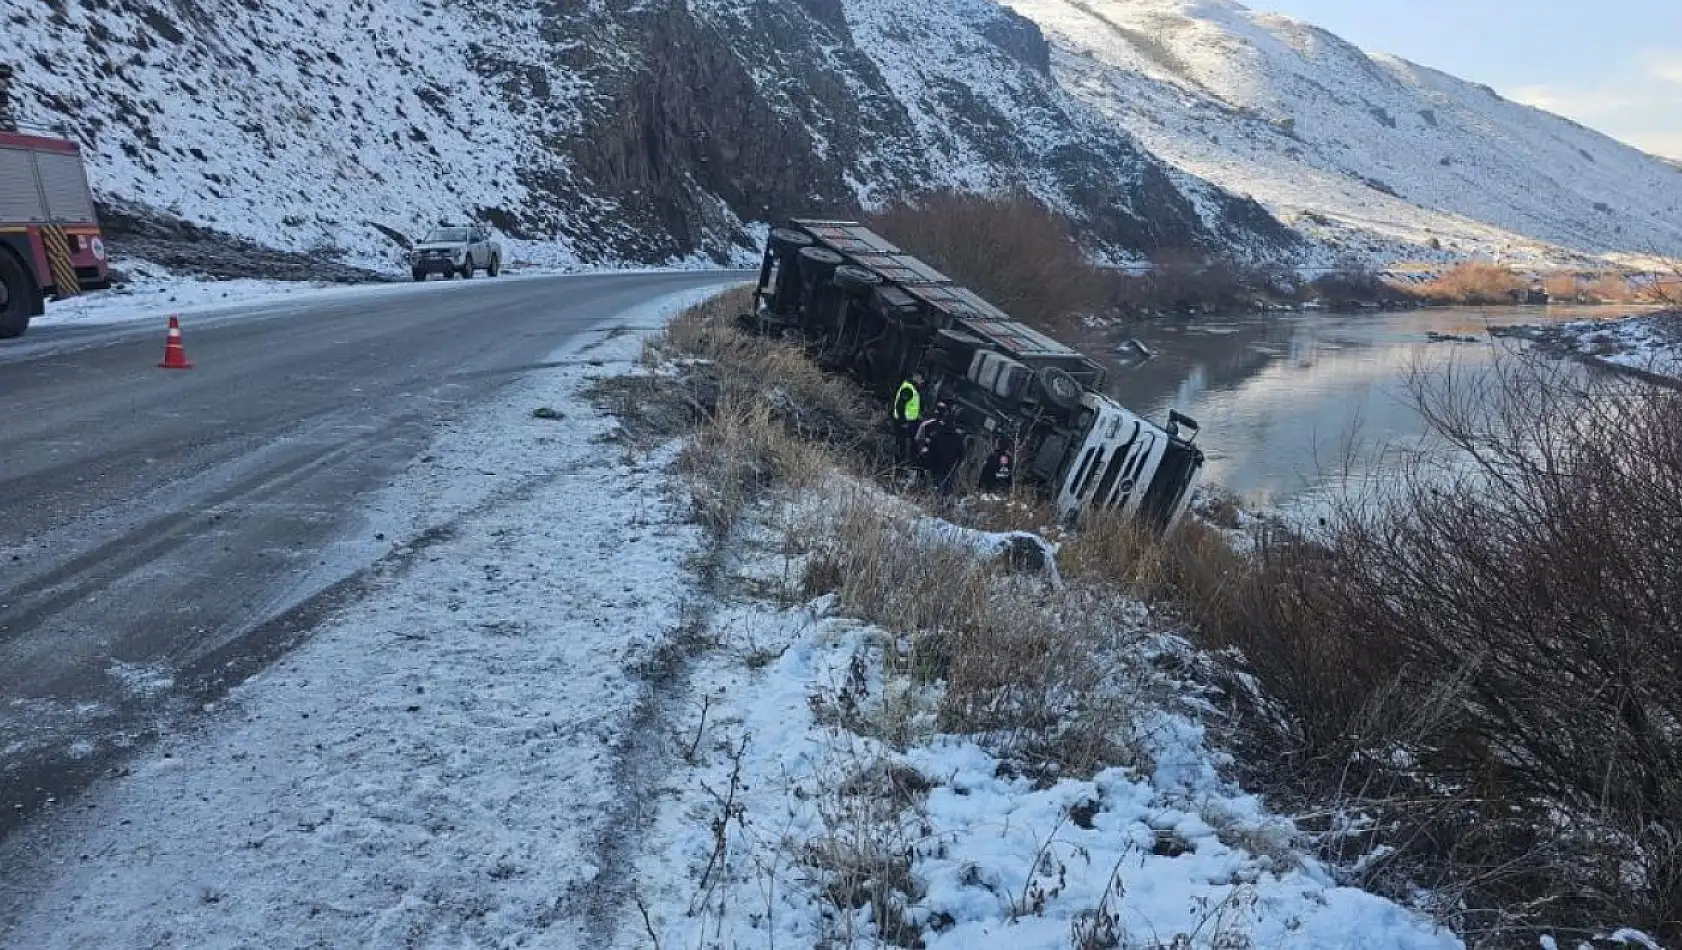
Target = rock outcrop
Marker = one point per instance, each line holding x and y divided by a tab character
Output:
588	131
7	120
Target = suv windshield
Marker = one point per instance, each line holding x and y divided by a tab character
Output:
446	236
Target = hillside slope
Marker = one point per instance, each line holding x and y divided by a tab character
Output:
585	131
1374	153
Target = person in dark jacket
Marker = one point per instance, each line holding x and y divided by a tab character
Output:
943	453
999	470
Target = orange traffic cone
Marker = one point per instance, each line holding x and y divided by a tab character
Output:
175	355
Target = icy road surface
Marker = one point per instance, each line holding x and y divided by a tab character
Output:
165	534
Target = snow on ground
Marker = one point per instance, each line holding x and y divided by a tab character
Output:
1650	342
302	125
540	728
1374	153
790	813
432	767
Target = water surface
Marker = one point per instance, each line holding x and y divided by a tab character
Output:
1292	403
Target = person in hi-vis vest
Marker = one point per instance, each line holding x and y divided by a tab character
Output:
908	412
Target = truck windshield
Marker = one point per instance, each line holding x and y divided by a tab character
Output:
446	236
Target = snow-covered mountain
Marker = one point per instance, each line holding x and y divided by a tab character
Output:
594	130
1373	152
589	130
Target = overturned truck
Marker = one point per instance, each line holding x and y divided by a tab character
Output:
865	307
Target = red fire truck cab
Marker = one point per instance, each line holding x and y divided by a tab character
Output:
50	245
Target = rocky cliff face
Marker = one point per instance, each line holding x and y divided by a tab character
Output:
1369	153
586	130
764	109
7	120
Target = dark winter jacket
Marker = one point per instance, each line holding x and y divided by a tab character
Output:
998	471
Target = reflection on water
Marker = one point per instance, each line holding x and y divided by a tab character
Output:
1290	403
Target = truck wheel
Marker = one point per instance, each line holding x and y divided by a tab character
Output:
17	297
855	280
1059	388
467	268
495	268
419	275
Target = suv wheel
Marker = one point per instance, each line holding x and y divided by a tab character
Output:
467	267
495	267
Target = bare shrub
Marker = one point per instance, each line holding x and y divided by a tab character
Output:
1610	288
1353	282
1011	249
1487	653
865	859
1562	286
1474	283
1601	288
1666	289
1266	605
1173	283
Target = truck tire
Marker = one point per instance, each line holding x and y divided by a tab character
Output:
856	280
820	259
495	267
418	275
957	341
784	238
467	268
1058	387
17	297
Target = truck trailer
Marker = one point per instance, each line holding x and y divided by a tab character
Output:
865	307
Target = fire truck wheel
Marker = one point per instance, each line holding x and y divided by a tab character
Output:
16	292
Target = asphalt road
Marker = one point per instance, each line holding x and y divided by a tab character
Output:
156	526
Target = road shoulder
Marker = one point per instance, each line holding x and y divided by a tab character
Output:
433	758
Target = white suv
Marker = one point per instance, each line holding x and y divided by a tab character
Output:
452	250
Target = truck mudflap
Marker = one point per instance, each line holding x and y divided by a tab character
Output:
60	263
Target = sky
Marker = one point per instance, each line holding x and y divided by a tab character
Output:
1614	65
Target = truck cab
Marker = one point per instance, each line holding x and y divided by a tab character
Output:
50	242
1127	464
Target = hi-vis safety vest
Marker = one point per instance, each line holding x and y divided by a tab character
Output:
913	403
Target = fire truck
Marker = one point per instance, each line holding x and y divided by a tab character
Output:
50	243
865	307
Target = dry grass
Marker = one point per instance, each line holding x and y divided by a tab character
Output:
1604	288
1033	672
1474	284
739	452
758	412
